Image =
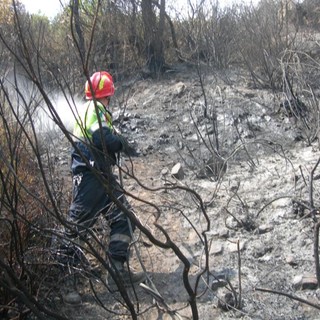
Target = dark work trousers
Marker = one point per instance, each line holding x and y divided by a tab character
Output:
90	199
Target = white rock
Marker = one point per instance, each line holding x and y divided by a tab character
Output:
177	171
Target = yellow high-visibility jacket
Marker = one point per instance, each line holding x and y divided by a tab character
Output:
96	141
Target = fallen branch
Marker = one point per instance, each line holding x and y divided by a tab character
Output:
317	306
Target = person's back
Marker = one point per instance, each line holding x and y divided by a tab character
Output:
95	139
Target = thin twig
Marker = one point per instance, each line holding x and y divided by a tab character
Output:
311	184
317	306
239	275
316	251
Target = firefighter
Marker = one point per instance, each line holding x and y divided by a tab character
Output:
94	184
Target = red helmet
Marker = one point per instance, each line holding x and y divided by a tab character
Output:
102	85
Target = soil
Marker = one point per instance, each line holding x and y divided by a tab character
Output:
248	207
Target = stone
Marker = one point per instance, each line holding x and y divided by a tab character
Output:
216	249
178	89
233	246
72	297
177	171
227	303
218	283
224	233
232	223
290	259
164	171
261	249
264	228
305	282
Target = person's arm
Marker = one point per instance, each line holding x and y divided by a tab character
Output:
112	142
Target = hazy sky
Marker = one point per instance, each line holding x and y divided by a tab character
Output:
51	7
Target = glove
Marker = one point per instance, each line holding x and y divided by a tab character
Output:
128	149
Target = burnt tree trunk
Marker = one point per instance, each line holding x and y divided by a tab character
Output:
153	35
78	27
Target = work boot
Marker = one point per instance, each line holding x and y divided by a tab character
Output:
127	278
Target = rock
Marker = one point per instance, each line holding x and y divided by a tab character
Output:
212	233
216	249
178	89
233	246
228	303
305	282
224	233
264	228
218	283
232	223
177	171
72	298
164	171
290	259
261	250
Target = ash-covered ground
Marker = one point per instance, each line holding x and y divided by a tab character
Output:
237	207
